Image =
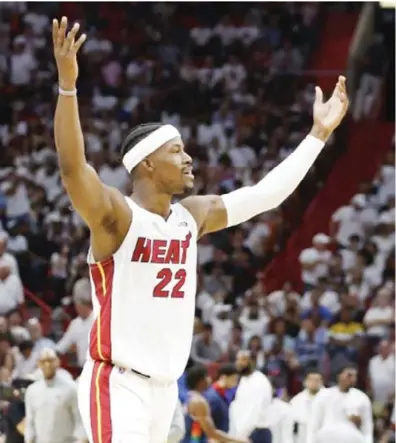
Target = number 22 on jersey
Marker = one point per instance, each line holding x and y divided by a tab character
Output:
170	283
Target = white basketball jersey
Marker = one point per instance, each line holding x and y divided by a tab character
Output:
144	295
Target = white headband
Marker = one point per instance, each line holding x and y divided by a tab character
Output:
148	145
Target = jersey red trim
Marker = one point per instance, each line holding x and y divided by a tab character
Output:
102	274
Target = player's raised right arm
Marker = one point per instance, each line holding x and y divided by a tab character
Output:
103	208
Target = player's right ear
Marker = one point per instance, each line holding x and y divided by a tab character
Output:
148	165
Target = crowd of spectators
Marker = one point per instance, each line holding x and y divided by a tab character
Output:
230	78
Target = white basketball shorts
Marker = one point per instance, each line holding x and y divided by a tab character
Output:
119	406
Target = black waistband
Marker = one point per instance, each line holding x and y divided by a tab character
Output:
139	373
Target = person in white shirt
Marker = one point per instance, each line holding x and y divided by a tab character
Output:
52	414
280	421
254	321
78	331
315	260
348	220
11	290
301	404
25	360
341	414
22	63
36	334
381	372
252	400
277	300
381	315
222	324
7	259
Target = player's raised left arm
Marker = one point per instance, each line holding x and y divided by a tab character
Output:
214	213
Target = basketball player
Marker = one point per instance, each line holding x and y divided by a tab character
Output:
341	414
143	254
200	427
302	403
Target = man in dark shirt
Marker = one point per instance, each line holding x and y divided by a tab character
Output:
14	422
15	415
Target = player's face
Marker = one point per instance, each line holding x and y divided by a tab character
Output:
231	381
172	168
48	365
313	382
242	363
349	377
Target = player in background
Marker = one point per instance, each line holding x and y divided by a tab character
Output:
253	397
199	424
341	414
302	403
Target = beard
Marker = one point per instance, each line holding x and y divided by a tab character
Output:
246	370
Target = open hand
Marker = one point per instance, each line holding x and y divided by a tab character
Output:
65	51
328	115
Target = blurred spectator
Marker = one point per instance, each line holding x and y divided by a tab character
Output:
60	420
254	321
381	372
77	333
374	66
204	348
36	334
222	324
315	261
380	316
345	337
322	296
7	259
277	301
347	220
15	417
11	290
25	360
310	345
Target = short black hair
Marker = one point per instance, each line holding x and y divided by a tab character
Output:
311	370
346	367
195	375
25	345
227	369
136	134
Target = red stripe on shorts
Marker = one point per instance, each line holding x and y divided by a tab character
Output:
100	403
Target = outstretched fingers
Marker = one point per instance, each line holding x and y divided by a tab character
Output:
77	45
55	30
69	40
61	32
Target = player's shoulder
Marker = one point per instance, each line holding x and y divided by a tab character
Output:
261	379
197	403
282	405
361	395
199	206
298	397
325	393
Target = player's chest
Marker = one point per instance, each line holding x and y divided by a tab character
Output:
164	243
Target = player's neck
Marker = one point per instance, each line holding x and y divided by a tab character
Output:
152	200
